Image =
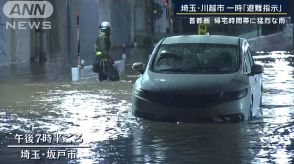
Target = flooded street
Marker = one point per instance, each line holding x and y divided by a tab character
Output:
47	102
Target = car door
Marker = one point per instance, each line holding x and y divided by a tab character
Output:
258	82
255	82
247	71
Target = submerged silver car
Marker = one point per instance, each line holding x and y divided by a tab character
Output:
196	77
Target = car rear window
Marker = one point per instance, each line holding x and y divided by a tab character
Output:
196	58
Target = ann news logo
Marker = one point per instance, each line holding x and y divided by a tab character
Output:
28	15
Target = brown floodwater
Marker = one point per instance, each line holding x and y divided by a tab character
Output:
42	100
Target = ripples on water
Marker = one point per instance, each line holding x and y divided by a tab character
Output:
276	139
100	111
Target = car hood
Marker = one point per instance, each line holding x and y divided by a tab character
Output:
193	83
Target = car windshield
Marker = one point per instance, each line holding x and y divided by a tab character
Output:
196	58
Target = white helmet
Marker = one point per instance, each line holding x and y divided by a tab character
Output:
104	25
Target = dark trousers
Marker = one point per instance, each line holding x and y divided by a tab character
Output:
105	70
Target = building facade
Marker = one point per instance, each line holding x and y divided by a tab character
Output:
130	21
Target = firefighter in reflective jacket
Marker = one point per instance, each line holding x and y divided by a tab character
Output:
103	64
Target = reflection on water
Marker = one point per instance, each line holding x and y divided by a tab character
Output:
100	111
277	139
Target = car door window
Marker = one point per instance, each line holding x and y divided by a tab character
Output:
250	57
244	65
247	63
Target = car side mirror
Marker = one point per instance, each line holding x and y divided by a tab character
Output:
139	66
256	69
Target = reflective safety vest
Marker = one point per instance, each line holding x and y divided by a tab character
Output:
98	53
102	44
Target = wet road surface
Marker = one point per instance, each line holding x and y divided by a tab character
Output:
51	104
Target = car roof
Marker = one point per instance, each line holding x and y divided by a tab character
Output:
214	39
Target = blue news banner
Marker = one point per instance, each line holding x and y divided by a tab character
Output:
231	7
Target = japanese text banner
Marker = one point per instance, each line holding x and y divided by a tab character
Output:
231	7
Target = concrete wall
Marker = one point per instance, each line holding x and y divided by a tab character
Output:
121	18
14	44
161	23
60	41
280	41
4	57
